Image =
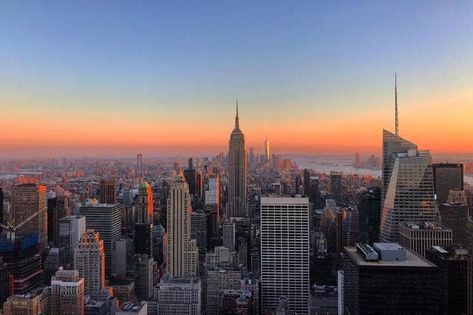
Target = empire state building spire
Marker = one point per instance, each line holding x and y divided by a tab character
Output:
237	119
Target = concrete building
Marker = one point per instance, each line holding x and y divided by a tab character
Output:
106	220
421	236
454	213
229	235
144	277
67	293
89	260
285	253
108	191
182	253
70	231
178	296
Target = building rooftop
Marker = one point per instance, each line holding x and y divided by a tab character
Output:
284	200
411	259
423	226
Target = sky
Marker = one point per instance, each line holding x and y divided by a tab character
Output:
113	78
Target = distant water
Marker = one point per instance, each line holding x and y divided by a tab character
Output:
339	164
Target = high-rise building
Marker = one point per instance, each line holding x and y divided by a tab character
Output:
369	213
267	152
285	253
447	176
388	279
139	164
182	252
1	206
70	231
229	235
236	206
453	266
144	277
58	208
454	214
67	293
336	185
410	194
107	191
392	145
29	211
199	231
419	237
145	203
143	238
179	296
106	220
89	260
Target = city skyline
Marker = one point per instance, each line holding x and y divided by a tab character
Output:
78	81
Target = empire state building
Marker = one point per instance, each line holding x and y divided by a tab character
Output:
236	206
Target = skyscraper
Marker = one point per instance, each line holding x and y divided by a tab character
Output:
70	231
285	253
182	253
67	293
105	219
107	191
369	210
409	196
236	206
392	145
29	210
447	176
89	260
266	150
145	203
58	208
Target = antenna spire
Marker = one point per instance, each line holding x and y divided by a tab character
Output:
237	119
395	105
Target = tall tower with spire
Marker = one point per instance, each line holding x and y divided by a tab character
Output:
236	206
266	150
396	114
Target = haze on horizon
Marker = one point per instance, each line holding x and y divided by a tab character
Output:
113	79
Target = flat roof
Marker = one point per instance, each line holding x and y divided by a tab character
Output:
284	200
412	260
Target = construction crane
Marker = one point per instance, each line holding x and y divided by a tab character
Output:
10	228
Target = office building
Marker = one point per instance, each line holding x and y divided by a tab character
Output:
108	191
267	152
392	145
29	211
229	235
388	279
236	206
182	252
178	296
145	203
220	279
51	264
143	238
409	196
419	237
89	260
454	214
453	266
1	207
121	251
106	220
35	302
369	214
58	208
199	231
67	293
221	257
285	253
447	176
336	186
70	231
144	277
237	301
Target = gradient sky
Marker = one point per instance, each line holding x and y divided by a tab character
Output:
118	77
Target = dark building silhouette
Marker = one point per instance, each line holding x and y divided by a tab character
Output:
388	279
336	186
58	208
369	211
447	177
143	239
1	205
454	214
453	266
